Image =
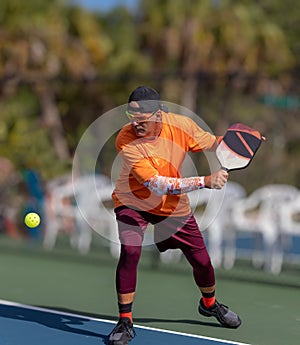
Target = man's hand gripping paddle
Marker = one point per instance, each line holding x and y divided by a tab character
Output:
238	147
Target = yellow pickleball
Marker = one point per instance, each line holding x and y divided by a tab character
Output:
32	220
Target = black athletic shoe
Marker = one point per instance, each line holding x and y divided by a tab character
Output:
122	333
222	313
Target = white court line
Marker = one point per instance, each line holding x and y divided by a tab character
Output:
53	311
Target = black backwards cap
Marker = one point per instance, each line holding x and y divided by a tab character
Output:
147	98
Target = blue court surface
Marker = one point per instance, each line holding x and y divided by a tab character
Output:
23	324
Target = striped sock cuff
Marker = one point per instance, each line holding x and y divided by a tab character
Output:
125	308
208	294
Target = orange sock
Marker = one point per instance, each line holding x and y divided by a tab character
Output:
208	301
128	315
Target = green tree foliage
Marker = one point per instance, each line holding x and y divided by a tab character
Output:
22	139
284	14
193	36
41	41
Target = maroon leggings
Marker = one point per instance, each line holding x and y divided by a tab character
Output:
183	233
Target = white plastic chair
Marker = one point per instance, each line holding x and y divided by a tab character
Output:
289	221
221	223
58	210
94	209
81	201
212	210
258	214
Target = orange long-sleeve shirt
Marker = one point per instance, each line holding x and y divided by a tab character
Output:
143	158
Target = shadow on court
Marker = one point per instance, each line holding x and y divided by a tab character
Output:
51	320
137	320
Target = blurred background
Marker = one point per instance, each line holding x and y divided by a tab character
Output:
64	63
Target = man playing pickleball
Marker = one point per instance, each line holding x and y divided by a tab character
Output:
150	189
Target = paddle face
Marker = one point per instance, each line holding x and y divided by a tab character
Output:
238	147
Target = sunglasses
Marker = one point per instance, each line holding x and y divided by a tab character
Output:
138	118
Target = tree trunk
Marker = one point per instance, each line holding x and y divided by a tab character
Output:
190	93
52	120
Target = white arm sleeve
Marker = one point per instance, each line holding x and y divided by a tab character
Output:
163	185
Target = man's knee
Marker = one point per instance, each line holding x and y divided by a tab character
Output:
131	253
